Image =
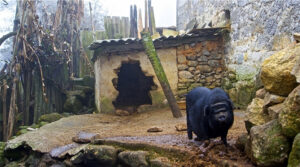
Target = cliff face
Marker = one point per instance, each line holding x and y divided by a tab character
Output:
258	28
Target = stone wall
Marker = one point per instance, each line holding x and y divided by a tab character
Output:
200	64
258	28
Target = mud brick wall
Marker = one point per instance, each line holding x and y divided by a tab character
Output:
200	64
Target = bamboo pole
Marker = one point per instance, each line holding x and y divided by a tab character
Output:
140	24
27	96
146	16
36	98
159	71
4	115
149	17
152	18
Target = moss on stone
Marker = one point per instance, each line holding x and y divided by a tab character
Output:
106	105
2	159
42	123
245	93
289	117
294	157
22	131
227	84
154	151
269	146
50	117
245	73
152	55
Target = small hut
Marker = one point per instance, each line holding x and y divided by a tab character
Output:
126	80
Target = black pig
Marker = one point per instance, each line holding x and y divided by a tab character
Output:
209	113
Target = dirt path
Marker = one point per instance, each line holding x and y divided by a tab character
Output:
134	129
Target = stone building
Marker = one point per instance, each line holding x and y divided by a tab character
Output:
258	28
126	80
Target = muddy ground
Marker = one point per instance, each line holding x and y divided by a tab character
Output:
133	129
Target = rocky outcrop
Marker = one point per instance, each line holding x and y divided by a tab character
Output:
276	71
267	145
255	115
294	157
289	117
273	118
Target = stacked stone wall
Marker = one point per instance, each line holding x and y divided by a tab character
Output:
200	64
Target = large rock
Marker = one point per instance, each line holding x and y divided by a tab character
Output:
83	137
289	117
271	100
294	157
261	93
134	158
296	70
268	146
276	71
102	154
255	115
274	111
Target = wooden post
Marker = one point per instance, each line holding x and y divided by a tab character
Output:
159	71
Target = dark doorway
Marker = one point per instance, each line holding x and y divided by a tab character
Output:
133	86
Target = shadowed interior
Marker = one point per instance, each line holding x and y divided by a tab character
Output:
133	86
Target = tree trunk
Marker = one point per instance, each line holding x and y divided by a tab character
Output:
159	71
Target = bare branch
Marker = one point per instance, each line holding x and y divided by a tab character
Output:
6	36
4	2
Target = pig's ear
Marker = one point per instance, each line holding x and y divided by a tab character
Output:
206	110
